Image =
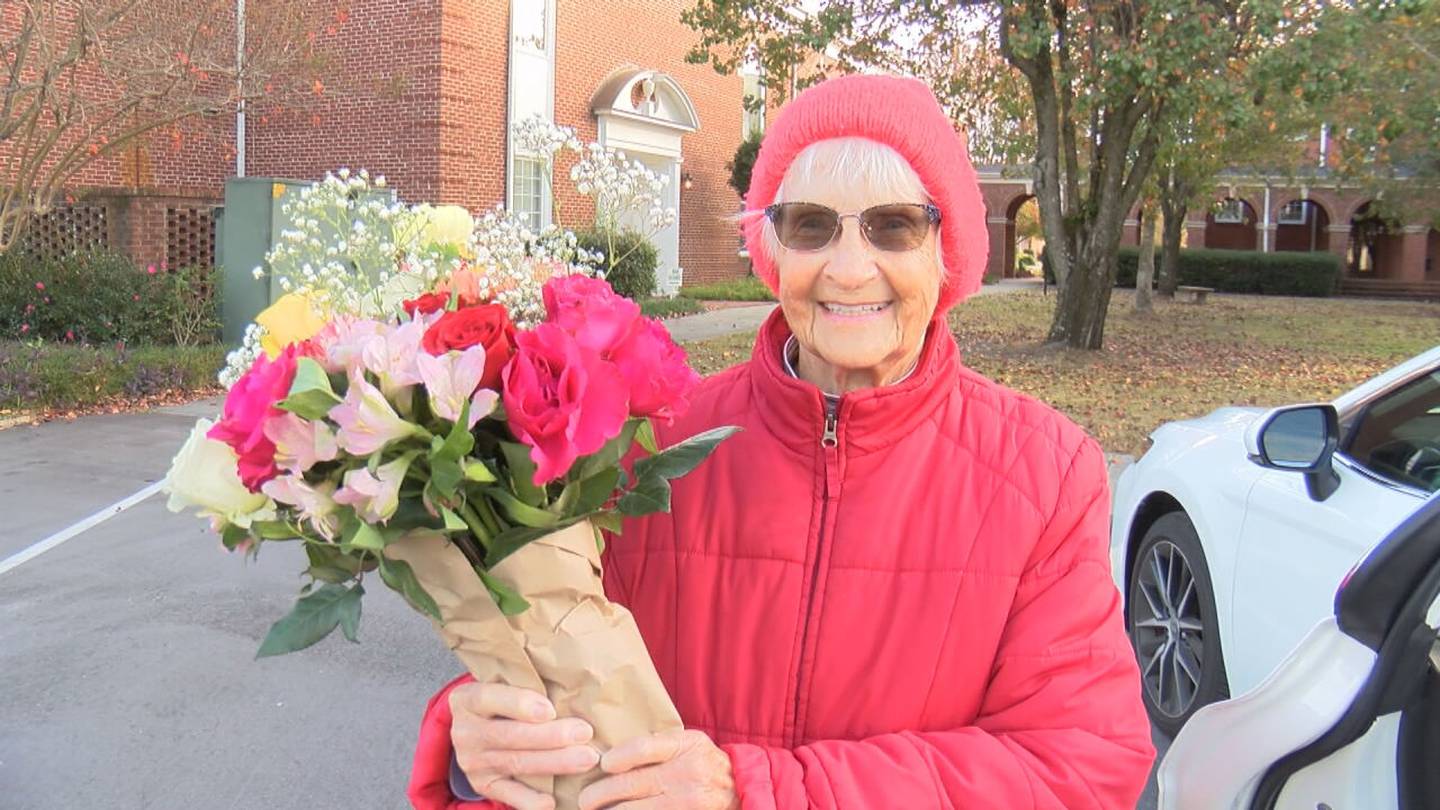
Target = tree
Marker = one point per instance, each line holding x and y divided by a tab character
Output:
85	79
741	165
1100	76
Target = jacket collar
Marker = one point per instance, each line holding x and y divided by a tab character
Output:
869	418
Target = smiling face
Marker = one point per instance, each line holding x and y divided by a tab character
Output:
858	312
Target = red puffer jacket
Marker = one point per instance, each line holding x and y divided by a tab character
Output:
908	606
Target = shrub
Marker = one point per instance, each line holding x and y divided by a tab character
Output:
748	288
51	376
743	163
669	307
1247	271
630	260
103	298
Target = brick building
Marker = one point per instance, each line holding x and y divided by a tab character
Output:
423	91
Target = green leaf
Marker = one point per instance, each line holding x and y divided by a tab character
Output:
680	459
609	521
522	473
479	473
453	522
510	541
521	512
646	437
364	536
273	530
233	536
311	396
412	514
596	490
510	602
330	564
610	454
314	617
649	495
401	578
445	477
459	442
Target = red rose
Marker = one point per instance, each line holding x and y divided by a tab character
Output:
426	304
486	325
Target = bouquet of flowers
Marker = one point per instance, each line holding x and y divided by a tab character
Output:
468	456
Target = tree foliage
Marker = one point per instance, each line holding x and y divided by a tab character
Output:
85	80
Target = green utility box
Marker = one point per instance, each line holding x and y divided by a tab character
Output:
253	220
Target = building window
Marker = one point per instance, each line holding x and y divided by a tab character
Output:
1230	211
527	189
1294	213
531	24
753	99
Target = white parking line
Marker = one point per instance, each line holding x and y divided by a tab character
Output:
15	560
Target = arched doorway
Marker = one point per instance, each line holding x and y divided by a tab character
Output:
643	113
1302	226
1230	225
1374	244
1024	239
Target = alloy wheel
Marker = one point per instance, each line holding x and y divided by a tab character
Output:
1169	634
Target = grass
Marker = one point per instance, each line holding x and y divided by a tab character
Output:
749	288
1180	362
670	307
50	378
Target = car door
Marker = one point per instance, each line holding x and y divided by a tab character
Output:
1294	550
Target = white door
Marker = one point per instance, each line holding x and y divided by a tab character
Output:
1294	551
667	240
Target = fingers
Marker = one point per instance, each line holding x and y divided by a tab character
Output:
513	734
501	762
517	795
649	750
642	783
500	700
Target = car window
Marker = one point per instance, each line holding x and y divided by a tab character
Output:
1397	436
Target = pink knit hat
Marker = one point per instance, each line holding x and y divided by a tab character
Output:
903	115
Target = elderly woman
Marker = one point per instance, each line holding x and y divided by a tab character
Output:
891	589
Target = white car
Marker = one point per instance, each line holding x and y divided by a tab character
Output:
1233	532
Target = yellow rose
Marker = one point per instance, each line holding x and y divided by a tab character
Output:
291	319
204	477
447	225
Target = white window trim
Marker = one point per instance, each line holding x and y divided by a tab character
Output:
547	215
745	128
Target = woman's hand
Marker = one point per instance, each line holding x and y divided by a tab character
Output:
501	732
675	769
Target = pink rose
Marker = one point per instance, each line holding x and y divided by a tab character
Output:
250	403
587	308
562	399
655	367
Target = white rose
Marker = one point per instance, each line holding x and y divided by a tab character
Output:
204	477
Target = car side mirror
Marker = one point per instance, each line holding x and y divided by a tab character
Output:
1303	439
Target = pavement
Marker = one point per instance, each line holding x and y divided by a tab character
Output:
127	641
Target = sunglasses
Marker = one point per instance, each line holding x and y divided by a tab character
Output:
896	227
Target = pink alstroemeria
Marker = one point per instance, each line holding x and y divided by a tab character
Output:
345	343
316	503
299	443
390	355
453	378
375	496
367	422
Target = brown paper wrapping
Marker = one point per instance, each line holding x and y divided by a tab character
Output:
579	648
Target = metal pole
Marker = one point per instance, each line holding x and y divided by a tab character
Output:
240	88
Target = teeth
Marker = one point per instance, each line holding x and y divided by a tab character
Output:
849	309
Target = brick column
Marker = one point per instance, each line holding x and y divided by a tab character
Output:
1131	236
995	265
1413	244
1339	243
1194	233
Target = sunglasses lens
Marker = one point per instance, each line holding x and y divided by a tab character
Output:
896	227
801	226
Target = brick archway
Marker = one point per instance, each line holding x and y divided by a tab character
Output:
1232	223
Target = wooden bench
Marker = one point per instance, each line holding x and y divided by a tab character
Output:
1194	295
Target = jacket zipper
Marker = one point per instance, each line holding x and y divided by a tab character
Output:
829	448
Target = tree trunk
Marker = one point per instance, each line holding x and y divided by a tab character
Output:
1174	229
1145	273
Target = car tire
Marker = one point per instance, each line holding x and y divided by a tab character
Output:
1171	618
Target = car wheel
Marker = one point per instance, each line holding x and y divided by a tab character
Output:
1171	620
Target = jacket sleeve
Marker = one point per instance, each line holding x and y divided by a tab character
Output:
429	787
1061	725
